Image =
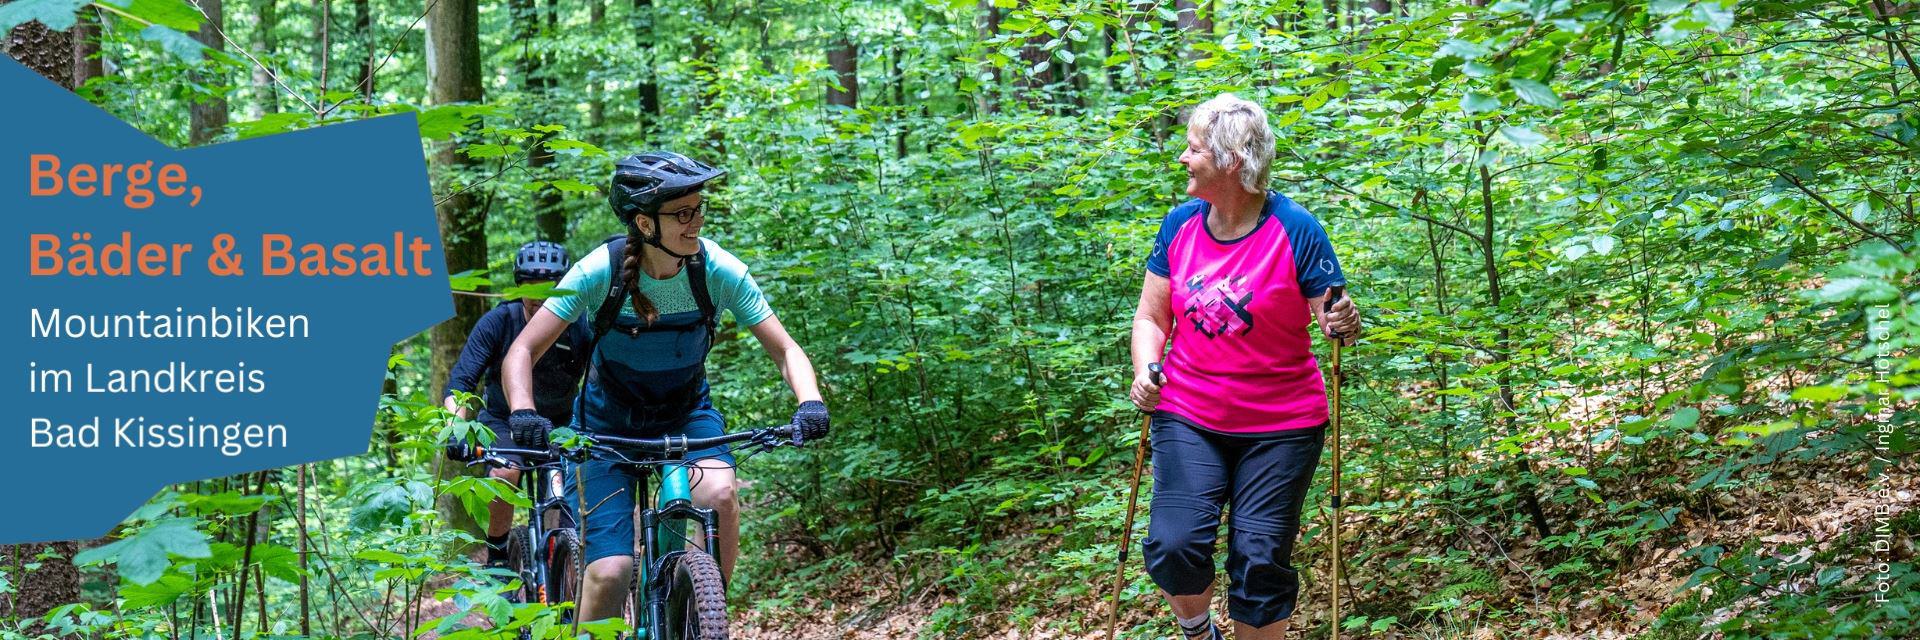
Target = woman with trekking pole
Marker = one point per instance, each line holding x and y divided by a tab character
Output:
1235	277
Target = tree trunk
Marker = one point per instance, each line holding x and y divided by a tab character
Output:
453	46
363	30
1190	19
208	114
649	89
322	19
267	18
56	582
1504	352
547	215
596	99
844	59
988	25
86	48
899	100
45	51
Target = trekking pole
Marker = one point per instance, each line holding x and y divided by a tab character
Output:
1337	559
1133	500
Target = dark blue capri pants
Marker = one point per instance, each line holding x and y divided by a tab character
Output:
1265	477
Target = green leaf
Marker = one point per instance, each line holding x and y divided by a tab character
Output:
974	133
569	185
575	146
143	557
1523	136
1666	7
440	123
229	503
1828	393
381	556
469	281
388	502
58	15
1476	103
172	41
271	123
1685	418
1604	244
1534	93
534	291
159	593
486	151
173	14
1717	15
1465	50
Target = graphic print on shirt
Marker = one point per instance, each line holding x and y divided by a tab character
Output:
1219	307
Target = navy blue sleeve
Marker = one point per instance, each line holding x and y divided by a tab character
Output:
1169	228
484	347
1313	260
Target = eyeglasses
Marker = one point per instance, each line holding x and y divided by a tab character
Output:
686	216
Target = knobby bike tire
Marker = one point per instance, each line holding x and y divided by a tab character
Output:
696	599
520	561
563	566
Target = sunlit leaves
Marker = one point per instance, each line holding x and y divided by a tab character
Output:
55	14
1534	93
144	555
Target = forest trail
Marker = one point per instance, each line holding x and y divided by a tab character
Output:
1825	506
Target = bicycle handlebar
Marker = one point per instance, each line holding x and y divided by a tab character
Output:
666	445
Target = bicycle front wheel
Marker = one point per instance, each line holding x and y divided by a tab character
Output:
696	599
520	560
563	567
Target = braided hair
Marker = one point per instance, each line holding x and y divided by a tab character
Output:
630	276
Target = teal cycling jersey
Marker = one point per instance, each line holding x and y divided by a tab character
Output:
728	282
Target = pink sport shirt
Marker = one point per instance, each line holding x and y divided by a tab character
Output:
1242	359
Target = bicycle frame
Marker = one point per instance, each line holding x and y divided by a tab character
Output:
673	508
537	481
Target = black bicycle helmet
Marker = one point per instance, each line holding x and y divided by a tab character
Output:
642	182
540	260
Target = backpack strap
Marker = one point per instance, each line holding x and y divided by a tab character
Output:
616	289
697	280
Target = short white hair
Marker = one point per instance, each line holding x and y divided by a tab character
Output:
1237	129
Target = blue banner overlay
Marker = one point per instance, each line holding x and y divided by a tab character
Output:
186	314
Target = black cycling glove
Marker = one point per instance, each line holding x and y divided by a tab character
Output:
458	450
529	429
811	417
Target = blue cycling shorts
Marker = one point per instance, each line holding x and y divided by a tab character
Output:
608	492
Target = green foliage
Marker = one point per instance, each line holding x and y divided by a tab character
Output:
145	554
1647	265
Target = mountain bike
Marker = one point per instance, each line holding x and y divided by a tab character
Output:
544	552
676	592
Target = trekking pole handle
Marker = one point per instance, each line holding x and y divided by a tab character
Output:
1153	373
1333	295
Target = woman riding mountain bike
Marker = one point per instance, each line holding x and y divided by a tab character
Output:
653	298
